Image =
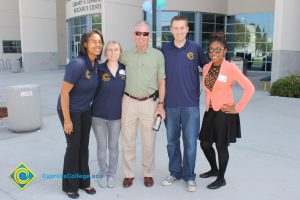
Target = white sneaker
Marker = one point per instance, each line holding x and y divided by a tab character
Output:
191	186
168	180
111	182
102	181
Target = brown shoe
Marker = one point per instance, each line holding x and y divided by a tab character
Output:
127	182
148	181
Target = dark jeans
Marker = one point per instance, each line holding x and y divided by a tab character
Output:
77	152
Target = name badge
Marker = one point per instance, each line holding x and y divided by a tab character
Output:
122	72
222	78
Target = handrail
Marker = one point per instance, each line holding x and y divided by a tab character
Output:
2	61
7	61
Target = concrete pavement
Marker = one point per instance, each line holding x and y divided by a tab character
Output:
263	165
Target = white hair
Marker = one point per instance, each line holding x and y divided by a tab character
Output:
142	23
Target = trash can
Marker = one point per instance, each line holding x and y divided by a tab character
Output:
24	107
241	63
16	66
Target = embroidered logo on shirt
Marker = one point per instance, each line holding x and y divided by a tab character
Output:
190	55
222	78
105	77
88	74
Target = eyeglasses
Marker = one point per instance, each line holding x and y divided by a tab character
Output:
94	42
137	33
216	50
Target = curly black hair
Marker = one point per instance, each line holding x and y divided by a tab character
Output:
219	37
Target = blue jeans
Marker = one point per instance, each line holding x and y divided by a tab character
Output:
187	120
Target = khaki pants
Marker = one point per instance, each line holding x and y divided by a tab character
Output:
138	113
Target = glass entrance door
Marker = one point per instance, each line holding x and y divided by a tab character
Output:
76	49
75	46
76	27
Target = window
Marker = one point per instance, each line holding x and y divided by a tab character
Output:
77	26
211	23
163	32
12	46
96	22
250	36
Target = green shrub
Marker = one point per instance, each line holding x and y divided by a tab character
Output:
286	87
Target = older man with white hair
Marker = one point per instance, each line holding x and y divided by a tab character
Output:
145	80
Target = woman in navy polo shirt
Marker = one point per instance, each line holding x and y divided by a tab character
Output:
77	92
106	112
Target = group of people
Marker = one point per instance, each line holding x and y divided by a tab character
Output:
131	88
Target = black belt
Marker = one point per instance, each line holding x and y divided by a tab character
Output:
140	98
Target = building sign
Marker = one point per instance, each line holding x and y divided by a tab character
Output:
75	8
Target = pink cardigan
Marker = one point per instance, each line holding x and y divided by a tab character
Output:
222	90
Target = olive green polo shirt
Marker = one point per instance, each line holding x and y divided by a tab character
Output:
143	70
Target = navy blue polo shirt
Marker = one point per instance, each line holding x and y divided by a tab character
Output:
83	76
182	73
108	100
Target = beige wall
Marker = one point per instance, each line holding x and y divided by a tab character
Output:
212	6
250	6
9	28
38	25
119	19
61	33
222	6
38	29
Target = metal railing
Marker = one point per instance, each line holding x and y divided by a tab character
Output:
5	65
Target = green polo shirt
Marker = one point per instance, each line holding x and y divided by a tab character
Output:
143	70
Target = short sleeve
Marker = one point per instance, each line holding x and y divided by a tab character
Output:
73	71
203	60
161	66
123	58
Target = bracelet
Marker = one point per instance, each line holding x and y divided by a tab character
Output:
161	103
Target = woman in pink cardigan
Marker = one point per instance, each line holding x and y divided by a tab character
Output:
221	122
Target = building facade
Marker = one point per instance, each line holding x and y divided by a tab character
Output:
46	33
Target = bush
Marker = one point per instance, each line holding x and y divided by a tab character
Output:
286	87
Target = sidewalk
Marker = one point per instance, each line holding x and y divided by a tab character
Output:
264	164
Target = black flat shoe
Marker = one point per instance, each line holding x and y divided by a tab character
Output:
89	191
209	174
73	195
216	184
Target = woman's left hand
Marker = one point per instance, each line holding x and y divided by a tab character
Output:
229	109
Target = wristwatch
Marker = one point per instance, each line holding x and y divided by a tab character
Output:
160	103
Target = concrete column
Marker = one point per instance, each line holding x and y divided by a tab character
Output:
61	34
9	30
120	26
286	44
38	34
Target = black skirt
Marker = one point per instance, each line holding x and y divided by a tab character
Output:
220	127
